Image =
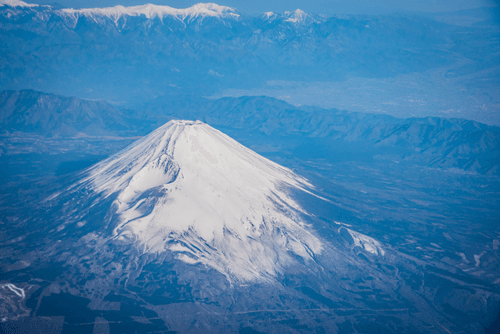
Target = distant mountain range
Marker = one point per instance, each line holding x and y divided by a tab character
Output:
433	141
136	53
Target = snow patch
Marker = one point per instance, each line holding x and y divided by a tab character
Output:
81	224
214	73
268	15
18	291
16	3
477	258
298	16
464	258
367	243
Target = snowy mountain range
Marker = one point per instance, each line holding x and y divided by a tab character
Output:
16	3
200	10
150	11
136	53
120	14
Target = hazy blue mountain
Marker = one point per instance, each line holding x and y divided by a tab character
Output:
438	142
33	112
121	55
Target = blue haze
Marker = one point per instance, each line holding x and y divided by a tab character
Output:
392	115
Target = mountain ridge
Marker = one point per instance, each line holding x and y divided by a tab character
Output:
203	54
438	142
200	10
16	3
53	115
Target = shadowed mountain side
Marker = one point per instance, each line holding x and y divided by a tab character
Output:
431	141
52	115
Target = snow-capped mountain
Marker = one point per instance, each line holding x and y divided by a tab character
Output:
299	16
193	190
16	3
103	53
149	11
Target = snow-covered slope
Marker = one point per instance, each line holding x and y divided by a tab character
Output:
153	11
191	189
16	3
298	16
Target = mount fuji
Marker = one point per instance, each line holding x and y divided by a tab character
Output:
193	190
187	230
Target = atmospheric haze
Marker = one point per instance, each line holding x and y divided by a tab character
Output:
249	167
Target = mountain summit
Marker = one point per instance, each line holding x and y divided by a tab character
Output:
190	189
16	3
151	11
